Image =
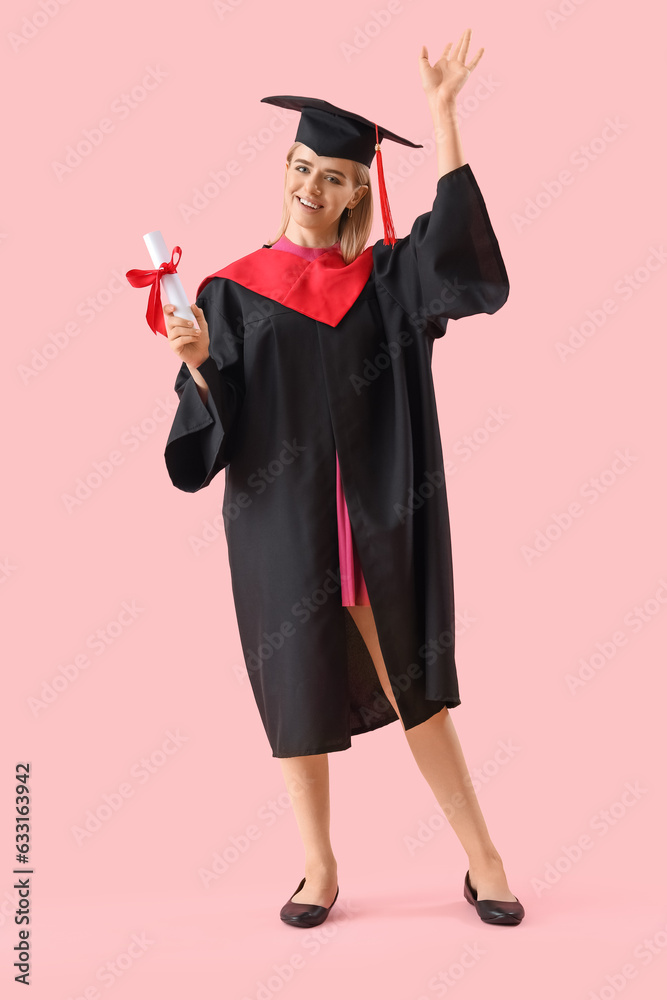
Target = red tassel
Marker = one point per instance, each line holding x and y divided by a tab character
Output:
387	221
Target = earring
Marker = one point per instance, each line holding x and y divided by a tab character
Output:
349	212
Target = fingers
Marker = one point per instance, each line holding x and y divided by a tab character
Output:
175	321
460	50
477	58
168	309
464	41
180	341
176	326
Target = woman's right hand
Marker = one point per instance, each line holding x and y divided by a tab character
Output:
189	343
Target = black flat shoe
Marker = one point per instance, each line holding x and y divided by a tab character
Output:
305	914
493	911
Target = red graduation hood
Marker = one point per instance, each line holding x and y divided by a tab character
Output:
323	289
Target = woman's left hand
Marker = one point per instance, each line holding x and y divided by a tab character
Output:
442	81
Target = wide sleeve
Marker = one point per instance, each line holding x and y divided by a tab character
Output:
450	264
202	434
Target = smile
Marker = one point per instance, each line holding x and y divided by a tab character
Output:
309	204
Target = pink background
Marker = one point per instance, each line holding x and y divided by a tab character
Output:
541	94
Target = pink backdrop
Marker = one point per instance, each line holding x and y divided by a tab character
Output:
123	680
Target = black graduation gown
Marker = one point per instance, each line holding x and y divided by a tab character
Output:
286	392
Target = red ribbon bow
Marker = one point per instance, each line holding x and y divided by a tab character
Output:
139	279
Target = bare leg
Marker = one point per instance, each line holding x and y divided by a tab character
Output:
307	781
437	752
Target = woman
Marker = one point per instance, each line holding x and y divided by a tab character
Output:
310	383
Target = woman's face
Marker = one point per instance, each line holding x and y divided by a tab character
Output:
325	181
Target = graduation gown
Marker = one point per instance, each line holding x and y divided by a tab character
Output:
312	358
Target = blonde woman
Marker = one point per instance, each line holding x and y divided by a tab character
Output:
309	382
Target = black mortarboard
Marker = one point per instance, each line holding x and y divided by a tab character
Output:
331	131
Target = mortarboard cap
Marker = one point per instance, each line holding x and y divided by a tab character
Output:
331	131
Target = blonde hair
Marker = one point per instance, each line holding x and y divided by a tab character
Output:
353	230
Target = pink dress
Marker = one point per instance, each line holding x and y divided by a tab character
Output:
352	583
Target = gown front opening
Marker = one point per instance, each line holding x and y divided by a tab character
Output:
352	583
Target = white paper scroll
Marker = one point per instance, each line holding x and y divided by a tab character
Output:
171	286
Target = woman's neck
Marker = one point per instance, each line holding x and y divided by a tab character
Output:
310	246
314	239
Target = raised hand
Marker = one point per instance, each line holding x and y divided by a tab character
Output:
443	80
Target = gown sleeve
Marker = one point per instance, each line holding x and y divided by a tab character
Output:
202	434
450	264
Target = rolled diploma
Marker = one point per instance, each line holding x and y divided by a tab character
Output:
170	284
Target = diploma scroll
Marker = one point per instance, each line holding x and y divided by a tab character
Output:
171	284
